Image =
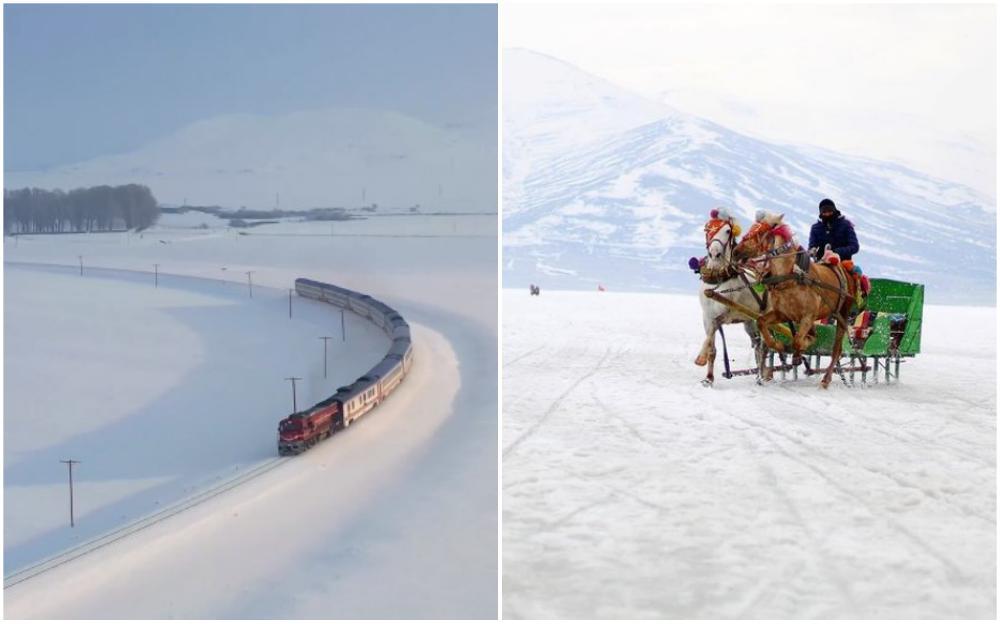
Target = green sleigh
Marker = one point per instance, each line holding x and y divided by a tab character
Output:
894	333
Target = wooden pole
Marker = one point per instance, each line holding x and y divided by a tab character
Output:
69	463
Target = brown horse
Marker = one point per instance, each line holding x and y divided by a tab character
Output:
797	296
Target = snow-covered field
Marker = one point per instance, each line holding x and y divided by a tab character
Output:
630	491
166	394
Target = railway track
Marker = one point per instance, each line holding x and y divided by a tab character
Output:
122	532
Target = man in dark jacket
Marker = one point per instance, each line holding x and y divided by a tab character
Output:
832	229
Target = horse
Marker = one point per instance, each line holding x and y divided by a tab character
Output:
798	295
718	273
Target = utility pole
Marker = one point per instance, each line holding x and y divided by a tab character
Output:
324	339
250	282
295	405
156	276
69	463
81	264
290	303
343	327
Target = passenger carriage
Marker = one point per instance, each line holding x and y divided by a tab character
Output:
302	430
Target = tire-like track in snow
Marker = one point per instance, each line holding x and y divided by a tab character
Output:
143	523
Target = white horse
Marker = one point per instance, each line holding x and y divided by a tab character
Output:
720	274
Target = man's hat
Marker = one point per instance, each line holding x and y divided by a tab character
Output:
827	204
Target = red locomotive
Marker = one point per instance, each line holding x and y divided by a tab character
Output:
302	430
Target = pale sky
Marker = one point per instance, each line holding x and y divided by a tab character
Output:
87	80
911	83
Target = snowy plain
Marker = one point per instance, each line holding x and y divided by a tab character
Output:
631	491
168	393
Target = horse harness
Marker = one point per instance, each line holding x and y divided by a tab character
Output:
799	274
718	276
800	277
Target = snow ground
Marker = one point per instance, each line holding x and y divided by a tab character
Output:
393	518
630	491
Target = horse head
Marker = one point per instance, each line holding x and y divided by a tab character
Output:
767	232
720	236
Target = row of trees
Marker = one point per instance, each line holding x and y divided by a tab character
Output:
95	209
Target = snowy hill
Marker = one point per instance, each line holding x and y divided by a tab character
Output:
608	187
323	158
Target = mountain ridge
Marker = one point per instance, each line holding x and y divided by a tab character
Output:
628	207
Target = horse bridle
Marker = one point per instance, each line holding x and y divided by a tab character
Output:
712	237
761	263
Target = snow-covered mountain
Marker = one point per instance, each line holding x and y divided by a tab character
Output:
322	158
604	186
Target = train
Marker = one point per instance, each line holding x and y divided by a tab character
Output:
301	430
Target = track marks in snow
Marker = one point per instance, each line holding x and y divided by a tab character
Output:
823	560
781	502
510	448
954	571
518	358
769	434
613	414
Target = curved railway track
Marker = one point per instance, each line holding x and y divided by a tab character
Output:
122	532
397	329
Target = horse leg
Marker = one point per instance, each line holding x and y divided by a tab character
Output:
710	373
764	323
835	357
802	340
757	344
707	355
764	372
708	346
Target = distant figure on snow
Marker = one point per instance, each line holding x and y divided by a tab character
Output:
535	290
832	229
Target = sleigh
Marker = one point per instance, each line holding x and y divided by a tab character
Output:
884	332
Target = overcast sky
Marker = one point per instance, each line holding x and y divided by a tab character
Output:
82	81
911	83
